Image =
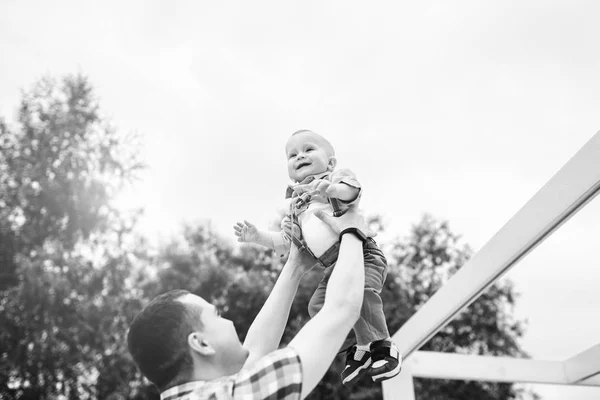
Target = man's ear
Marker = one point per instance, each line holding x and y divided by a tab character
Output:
332	163
200	345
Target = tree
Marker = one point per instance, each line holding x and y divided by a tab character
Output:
64	265
237	282
420	265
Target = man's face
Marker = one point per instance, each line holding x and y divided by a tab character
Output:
220	333
307	155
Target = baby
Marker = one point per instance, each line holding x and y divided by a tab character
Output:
319	186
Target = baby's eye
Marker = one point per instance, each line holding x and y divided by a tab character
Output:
292	155
308	150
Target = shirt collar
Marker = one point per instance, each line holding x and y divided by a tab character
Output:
180	390
311	178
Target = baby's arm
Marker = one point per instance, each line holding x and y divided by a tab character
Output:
342	185
342	191
248	233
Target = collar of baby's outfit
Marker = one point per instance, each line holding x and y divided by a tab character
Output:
290	189
311	178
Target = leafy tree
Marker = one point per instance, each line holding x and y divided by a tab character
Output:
64	269
238	282
421	264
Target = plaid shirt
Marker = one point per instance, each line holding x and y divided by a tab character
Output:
278	375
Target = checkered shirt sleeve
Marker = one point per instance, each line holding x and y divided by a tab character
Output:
218	389
278	375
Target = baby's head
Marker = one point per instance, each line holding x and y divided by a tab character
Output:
308	154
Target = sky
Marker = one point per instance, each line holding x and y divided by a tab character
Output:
459	109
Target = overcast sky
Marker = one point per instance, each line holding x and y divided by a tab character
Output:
460	109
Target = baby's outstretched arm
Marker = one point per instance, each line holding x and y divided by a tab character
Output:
248	233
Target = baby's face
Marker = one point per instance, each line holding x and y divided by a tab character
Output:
307	155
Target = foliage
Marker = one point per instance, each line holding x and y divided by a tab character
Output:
64	266
421	264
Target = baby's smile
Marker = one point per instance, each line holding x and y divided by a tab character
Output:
302	165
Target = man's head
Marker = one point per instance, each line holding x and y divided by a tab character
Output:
179	337
308	154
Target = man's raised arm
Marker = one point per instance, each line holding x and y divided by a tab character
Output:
320	339
267	329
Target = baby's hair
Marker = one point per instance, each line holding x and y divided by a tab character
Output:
328	144
302	131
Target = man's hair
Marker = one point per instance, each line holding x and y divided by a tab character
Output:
157	339
328	146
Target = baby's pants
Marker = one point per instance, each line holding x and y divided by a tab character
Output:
371	325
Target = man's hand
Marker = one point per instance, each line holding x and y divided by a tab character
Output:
351	219
300	262
246	232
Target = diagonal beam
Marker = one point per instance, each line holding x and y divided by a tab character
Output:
435	365
591	381
569	190
584	365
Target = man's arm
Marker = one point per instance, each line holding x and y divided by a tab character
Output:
320	339
267	329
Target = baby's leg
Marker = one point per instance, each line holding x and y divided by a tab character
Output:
318	298
371	326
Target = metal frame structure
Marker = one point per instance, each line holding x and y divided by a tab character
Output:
569	190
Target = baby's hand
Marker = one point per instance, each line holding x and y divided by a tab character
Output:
318	186
327	189
334	190
322	187
246	232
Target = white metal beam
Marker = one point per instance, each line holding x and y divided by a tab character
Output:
591	381
430	364
584	365
571	188
401	387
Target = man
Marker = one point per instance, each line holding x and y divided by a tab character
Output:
188	351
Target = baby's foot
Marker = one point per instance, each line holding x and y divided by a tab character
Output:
358	361
386	358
